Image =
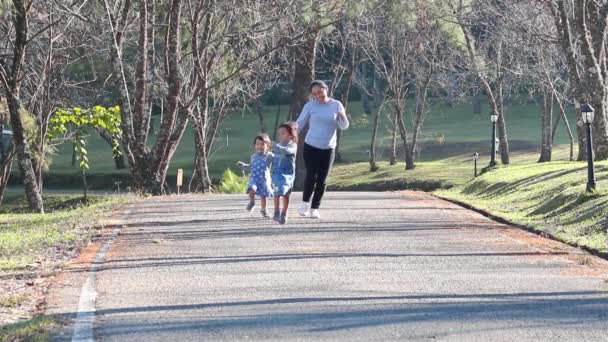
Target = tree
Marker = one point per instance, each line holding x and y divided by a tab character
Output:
235	48
387	38
549	75
488	57
6	163
53	72
204	47
373	94
582	27
11	78
311	18
402	42
535	62
342	59
71	125
148	164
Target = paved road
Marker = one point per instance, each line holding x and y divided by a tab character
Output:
377	267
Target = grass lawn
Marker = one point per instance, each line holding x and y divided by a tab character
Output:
34	330
25	237
547	197
32	246
448	131
428	175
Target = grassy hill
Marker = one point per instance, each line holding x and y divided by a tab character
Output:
448	132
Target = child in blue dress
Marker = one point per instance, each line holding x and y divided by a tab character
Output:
284	169
259	176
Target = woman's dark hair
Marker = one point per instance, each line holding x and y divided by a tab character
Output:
291	129
263	138
318	83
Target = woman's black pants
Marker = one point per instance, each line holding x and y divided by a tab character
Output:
318	162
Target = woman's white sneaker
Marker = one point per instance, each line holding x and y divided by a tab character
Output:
303	209
314	213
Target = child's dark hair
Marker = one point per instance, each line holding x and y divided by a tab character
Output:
291	129
263	138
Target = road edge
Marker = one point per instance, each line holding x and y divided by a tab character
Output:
502	220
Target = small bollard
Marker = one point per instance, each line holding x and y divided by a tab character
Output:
180	179
475	158
117	183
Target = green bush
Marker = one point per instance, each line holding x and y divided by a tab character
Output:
232	183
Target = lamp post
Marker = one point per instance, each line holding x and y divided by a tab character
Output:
475	158
494	119
587	112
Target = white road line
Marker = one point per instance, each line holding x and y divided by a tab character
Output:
83	327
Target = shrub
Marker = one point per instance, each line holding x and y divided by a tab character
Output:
232	183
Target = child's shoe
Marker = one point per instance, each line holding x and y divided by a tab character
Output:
314	213
277	216
283	218
250	206
264	213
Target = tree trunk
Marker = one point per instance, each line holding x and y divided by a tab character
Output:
304	72
12	84
203	180
85	186
203	128
600	128
365	98
74	154
451	86
546	127
583	43
372	149
504	142
592	32
24	156
203	183
421	98
569	130
555	127
494	94
565	31
276	123
260	112
505	157
476	103
409	160
5	173
149	165
393	157
349	82
119	160
193	182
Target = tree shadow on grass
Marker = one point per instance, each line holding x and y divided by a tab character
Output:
505	188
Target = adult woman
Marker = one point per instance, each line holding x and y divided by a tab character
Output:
324	116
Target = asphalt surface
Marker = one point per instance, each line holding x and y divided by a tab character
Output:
376	267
